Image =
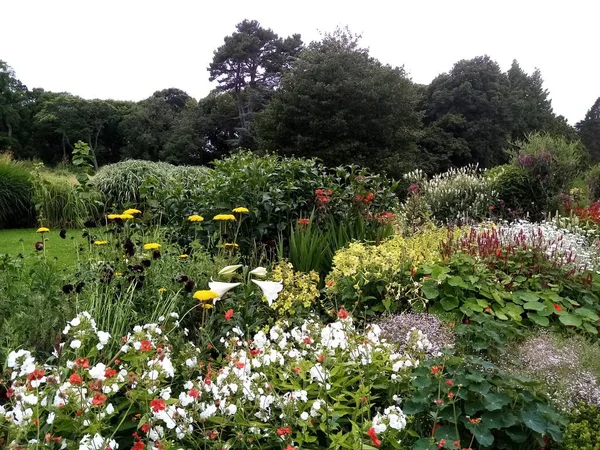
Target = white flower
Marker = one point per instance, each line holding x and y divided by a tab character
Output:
221	288
231	409
110	409
50	419
259	272
75	343
97	372
304	416
270	289
227	270
103	337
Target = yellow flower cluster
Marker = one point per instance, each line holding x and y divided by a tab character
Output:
299	289
195	218
241	210
120	216
224	217
43	230
132	211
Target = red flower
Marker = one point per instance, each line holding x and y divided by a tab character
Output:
296	370
449	383
254	351
229	314
284	431
145	428
146	346
303	221
158	404
99	399
436	369
319	192
307	340
442	443
557	307
450	395
138	445
492	208
75	379
109	373
290	447
321	358
84	363
498	252
194	393
342	313
37	374
371	433
456	444
239	364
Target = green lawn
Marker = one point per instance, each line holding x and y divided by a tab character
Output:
22	241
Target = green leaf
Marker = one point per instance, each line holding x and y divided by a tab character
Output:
494	402
570	320
527	296
424	444
534	421
422	382
430	291
588	313
457	281
538	319
536	306
449	303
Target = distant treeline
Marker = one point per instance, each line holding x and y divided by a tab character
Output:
328	99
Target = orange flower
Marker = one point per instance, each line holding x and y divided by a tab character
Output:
342	313
557	307
374	439
229	314
99	399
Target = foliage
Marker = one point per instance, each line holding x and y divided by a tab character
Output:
300	290
458	195
517	193
470	400
582	432
341	105
552	163
120	183
593	180
16	202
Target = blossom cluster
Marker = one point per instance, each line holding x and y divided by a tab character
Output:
266	388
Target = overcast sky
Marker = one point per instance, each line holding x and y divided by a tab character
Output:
127	49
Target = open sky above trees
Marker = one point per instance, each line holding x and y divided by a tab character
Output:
127	50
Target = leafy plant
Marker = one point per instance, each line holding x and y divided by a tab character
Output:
16	200
583	431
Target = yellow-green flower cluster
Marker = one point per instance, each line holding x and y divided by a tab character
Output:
300	290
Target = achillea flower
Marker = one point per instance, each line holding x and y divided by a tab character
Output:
241	210
195	218
151	246
125	216
42	230
205	295
132	211
224	217
113	216
100	242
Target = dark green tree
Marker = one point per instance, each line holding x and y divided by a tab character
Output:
343	106
468	115
13	94
250	64
589	131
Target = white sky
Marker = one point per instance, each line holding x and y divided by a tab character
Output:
127	49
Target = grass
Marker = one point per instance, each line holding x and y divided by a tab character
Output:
22	241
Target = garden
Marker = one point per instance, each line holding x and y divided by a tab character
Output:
271	302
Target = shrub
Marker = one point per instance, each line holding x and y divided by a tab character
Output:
552	163
583	431
593	180
517	194
16	200
120	183
458	195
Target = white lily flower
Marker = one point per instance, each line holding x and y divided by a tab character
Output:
227	270
259	272
271	289
221	288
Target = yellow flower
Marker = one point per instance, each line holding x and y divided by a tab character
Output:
230	245
113	216
161	290
151	246
241	210
132	211
224	217
184	256
205	295
43	230
206	305
118	274
100	242
196	218
125	216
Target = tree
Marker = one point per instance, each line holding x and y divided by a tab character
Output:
343	106
250	64
12	95
589	131
470	108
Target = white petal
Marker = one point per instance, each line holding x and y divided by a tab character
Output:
221	288
229	269
259	272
